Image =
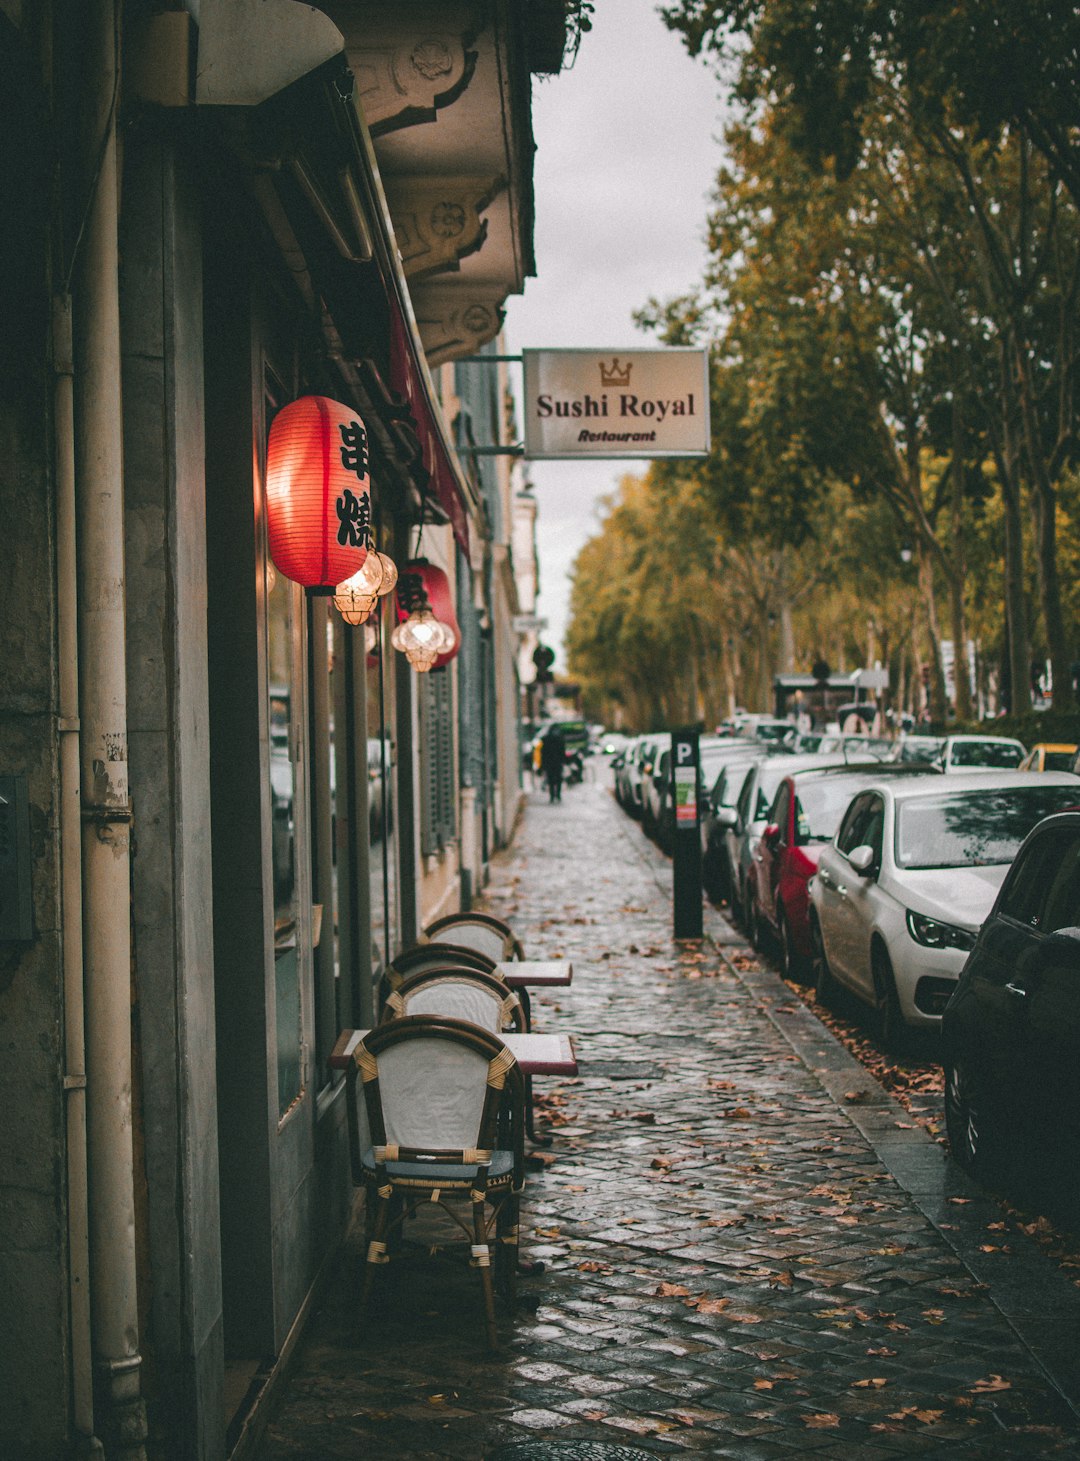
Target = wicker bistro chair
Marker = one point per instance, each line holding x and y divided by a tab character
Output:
430	956
481	931
441	1119
464	993
459	993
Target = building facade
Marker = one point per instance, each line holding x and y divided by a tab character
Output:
224	809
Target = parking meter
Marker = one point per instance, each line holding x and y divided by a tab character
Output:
686	850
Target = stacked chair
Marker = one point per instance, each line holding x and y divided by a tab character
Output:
439	1119
438	1108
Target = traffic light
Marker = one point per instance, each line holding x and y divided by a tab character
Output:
543	658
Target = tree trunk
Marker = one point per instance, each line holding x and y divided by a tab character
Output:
1018	648
938	699
1045	504
958	577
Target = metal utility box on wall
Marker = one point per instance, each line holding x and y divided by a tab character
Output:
16	903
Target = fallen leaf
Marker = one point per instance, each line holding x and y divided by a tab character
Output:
785	1280
764	1384
592	1266
854	1096
875	1384
822	1421
671	1291
709	1306
986	1387
737	1113
881	1351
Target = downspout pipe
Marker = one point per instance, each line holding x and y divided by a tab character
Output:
82	1380
106	810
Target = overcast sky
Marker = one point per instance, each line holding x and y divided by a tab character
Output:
626	154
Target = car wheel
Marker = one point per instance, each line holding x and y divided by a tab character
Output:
825	986
892	1027
792	963
970	1131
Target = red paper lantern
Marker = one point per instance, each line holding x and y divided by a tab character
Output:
318	499
419	582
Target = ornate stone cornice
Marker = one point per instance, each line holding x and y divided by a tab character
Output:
456	322
437	220
407	81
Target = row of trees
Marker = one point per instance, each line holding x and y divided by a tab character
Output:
892	309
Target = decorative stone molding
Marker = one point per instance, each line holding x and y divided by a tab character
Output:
401	84
455	322
437	220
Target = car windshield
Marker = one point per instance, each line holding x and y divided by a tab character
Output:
819	807
974	828
731	780
876	745
771	777
1058	760
921	748
985	753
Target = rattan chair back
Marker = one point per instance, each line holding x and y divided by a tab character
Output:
431	956
459	993
482	931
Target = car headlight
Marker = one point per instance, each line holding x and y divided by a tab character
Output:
936	935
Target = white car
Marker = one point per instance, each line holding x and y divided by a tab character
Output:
981	753
901	892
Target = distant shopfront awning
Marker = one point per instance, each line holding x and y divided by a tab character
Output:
410	379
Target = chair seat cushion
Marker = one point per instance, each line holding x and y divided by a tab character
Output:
441	1173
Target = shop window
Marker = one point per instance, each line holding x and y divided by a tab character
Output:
437	776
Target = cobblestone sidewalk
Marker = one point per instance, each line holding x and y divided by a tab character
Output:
749	1250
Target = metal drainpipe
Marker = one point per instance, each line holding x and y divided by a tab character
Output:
82	1380
106	812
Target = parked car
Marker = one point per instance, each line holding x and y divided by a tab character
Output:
1050	756
652	787
857	747
745	825
715	823
803	818
1011	1032
919	749
913	871
713	752
621	764
981	753
639	766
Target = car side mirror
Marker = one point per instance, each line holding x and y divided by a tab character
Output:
862	859
771	835
727	818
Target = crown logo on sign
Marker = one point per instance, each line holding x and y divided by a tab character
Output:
615	374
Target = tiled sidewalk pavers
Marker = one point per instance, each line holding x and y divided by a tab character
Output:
749	1251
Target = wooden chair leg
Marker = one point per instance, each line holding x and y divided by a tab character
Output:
482	1260
506	1230
376	1248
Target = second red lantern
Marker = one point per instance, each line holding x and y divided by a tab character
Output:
422	584
318	500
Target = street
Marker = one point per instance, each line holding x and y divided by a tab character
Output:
749	1248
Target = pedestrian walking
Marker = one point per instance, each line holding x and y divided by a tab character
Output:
553	761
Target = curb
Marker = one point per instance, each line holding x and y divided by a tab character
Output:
1038	1303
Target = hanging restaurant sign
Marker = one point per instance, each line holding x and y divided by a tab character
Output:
616	403
318	494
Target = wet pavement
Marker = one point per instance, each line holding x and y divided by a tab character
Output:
749	1248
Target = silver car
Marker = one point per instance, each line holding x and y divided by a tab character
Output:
901	892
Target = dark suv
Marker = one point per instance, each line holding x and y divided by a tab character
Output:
1011	1031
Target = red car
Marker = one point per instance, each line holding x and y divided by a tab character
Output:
806	811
